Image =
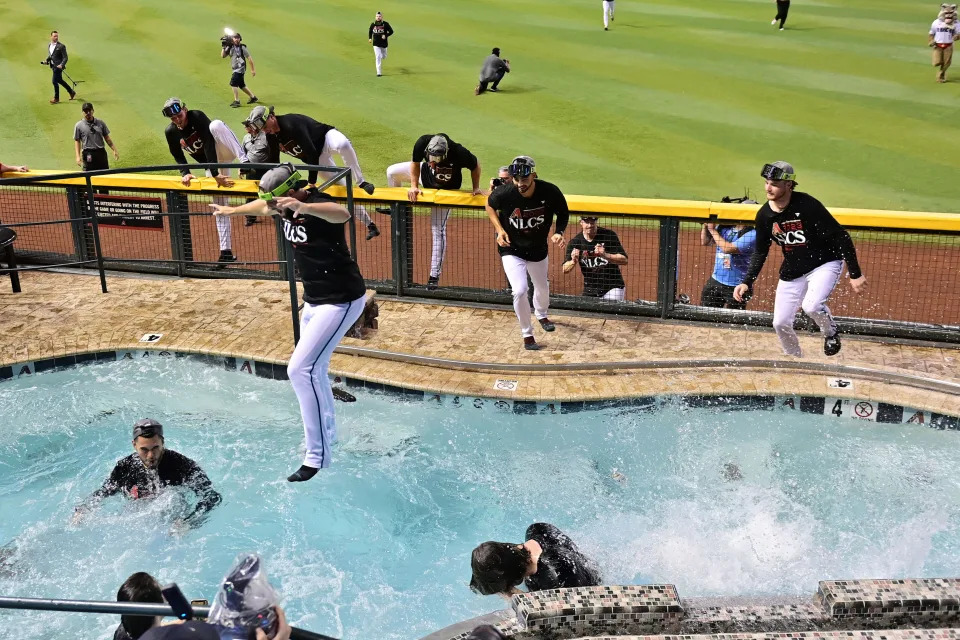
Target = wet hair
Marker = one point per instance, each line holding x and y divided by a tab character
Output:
498	567
486	632
496	51
139	587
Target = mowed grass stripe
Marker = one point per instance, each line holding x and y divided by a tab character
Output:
675	101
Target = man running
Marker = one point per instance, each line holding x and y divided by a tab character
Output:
783	8
522	212
608	7
334	295
206	141
814	246
436	163
314	142
239	57
151	468
379	31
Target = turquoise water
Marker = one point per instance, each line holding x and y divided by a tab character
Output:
378	546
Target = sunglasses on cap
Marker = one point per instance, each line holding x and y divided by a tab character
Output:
773	172
171	110
589	218
283	187
518	170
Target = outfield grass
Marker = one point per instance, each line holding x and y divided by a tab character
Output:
678	100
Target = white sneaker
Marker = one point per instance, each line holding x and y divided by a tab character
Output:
781	28
774	21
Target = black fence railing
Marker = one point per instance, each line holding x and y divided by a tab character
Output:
151	223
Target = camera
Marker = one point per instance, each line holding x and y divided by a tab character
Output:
497	182
226	41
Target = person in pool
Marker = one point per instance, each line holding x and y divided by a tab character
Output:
547	560
150	468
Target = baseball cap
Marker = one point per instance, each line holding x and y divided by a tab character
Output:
437	149
189	630
258	117
522	166
587	216
147	427
172	107
277	182
778	170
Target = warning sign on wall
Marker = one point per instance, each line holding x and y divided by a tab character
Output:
128	211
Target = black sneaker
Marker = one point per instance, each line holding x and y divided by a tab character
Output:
433	283
831	345
235	104
372	231
253	99
249	221
547	325
530	344
367	186
227	256
384	210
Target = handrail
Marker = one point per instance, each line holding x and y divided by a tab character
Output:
664	208
123	608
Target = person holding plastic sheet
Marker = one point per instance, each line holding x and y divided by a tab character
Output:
600	255
150	469
437	162
522	213
547	560
314	142
814	246
208	141
334	296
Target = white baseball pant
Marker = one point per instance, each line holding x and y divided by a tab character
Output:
337	143
399	173
810	292
379	53
618	295
229	149
517	270
607	12
321	329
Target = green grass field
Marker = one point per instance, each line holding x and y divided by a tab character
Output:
678	100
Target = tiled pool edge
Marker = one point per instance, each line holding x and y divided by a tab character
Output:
848	406
855	609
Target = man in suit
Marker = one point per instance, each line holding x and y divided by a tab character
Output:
57	59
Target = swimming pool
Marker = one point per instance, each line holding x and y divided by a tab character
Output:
757	502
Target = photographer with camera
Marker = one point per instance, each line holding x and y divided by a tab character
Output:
493	71
206	141
89	136
57	61
239	57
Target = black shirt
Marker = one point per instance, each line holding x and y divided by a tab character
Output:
379	32
527	220
303	138
448	174
195	138
329	274
134	480
599	274
560	564
808	235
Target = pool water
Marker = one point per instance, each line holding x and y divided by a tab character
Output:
378	546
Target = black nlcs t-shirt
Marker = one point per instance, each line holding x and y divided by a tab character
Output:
379	32
328	272
808	235
560	564
448	174
303	138
527	220
195	138
130	477
599	274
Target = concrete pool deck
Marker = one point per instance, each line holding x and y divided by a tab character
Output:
61	314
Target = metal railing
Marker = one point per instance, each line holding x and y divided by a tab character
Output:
911	259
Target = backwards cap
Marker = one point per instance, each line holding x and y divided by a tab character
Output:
147	427
258	117
437	148
272	184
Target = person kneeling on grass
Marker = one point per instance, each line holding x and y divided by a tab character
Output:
334	295
547	560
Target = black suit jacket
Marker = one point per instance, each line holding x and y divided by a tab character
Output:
59	55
